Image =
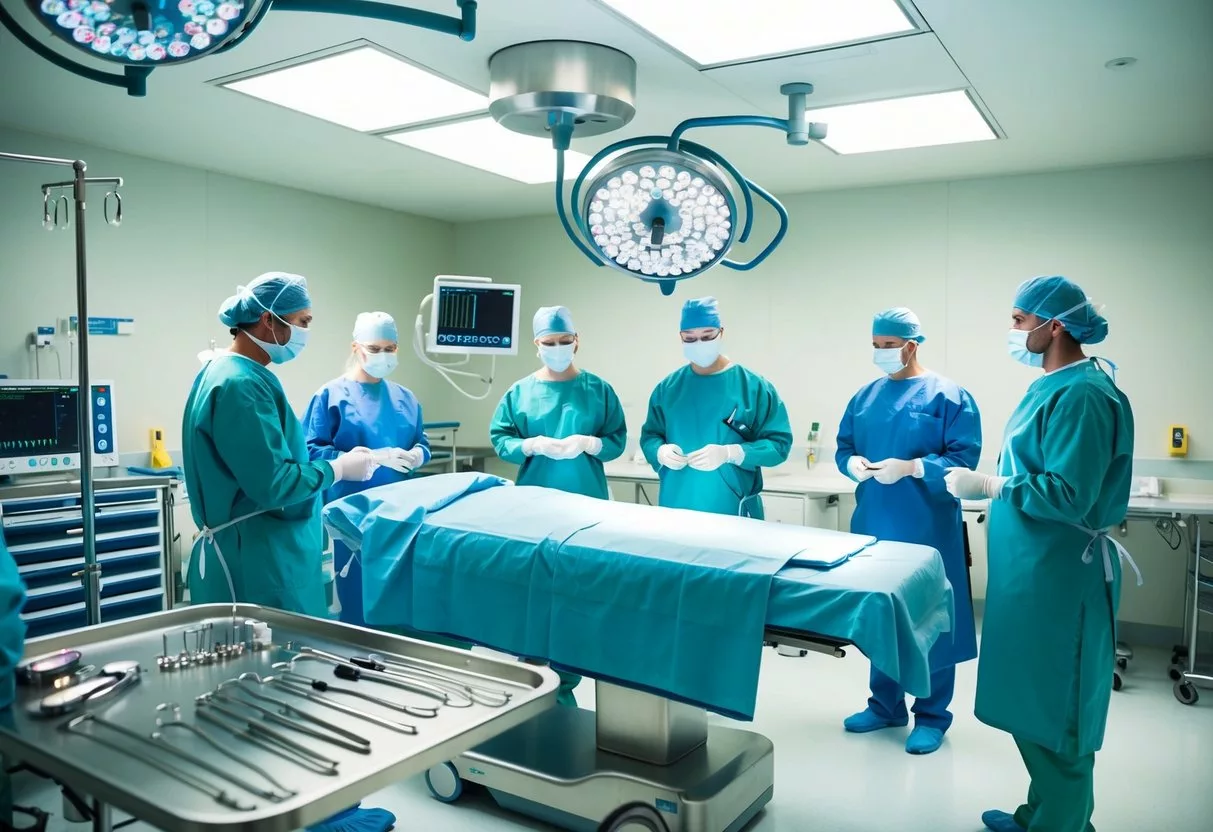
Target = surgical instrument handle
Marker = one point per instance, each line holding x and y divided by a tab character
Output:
279	719
290	710
324	687
355	674
268	740
296	690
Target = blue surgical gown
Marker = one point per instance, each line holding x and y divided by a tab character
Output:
12	628
690	410
1049	632
243	453
346	414
585	405
935	420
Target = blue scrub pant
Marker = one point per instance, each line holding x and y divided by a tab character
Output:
888	699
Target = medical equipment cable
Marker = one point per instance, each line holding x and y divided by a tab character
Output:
445	370
266	739
290	675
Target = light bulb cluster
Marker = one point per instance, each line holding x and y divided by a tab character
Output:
696	225
188	30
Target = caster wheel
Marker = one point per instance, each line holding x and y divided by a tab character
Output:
1123	664
1117	681
444	783
634	817
1186	693
1175	674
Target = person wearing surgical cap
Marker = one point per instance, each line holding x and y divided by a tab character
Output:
363	409
898	437
559	425
713	425
1049	632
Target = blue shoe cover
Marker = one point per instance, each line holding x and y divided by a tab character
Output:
1000	822
357	819
866	720
924	740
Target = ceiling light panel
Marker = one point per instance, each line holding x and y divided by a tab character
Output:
483	143
364	89
900	123
731	30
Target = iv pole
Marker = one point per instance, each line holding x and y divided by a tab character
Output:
91	576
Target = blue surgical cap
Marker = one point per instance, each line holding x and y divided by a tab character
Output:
1058	299
277	292
898	322
553	320
375	326
700	313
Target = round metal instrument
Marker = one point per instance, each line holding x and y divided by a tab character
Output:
53	670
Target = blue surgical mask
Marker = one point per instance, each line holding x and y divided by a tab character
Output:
379	364
1017	346
888	360
282	353
702	353
557	358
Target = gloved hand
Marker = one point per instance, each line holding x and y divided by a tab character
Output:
414	458
584	444
964	484
858	468
672	457
355	466
711	457
539	446
890	471
398	459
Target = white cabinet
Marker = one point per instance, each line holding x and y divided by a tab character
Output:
781	508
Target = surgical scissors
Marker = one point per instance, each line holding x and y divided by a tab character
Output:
295	689
283	792
265	738
212	791
288	674
351	673
361	746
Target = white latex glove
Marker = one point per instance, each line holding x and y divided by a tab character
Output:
356	466
539	446
591	445
414	458
711	457
964	484
672	457
399	459
860	468
889	471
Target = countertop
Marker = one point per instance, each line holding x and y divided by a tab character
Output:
791	477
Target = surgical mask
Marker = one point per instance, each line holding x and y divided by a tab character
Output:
557	358
282	353
379	364
1017	347
702	353
888	360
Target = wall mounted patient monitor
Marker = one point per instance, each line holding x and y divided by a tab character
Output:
39	426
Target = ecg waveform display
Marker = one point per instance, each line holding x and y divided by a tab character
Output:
34	420
479	317
458	312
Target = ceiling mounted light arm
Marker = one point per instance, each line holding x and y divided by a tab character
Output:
798	128
775	241
462	27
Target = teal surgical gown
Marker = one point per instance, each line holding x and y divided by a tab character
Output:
244	453
935	420
1049	631
691	410
585	405
12	628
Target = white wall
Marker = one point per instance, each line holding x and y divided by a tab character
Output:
188	238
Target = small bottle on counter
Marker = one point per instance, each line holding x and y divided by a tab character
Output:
814	447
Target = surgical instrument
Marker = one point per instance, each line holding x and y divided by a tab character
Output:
113	677
279	719
381	672
264	738
209	789
282	793
289	675
295	689
386	663
350	673
288	708
53	670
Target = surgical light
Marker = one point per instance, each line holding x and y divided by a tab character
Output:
140	35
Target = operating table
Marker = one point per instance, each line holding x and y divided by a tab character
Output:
667	610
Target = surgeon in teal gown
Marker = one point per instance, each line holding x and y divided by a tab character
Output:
713	425
559	425
1049	631
251	482
12	628
898	437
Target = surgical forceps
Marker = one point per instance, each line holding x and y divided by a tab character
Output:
354	742
295	689
351	673
282	793
212	791
412	667
478	694
264	737
288	674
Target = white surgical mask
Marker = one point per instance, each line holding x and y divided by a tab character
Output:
557	358
282	353
702	353
379	365
1017	346
888	360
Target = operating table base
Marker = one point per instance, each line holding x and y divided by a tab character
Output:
551	768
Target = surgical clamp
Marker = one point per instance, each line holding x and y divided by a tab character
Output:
265	738
361	747
287	674
351	673
209	789
295	689
283	793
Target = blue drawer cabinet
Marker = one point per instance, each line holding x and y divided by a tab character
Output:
133	523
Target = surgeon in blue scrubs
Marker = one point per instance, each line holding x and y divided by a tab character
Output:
364	409
12	628
713	425
898	437
1049	630
560	424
